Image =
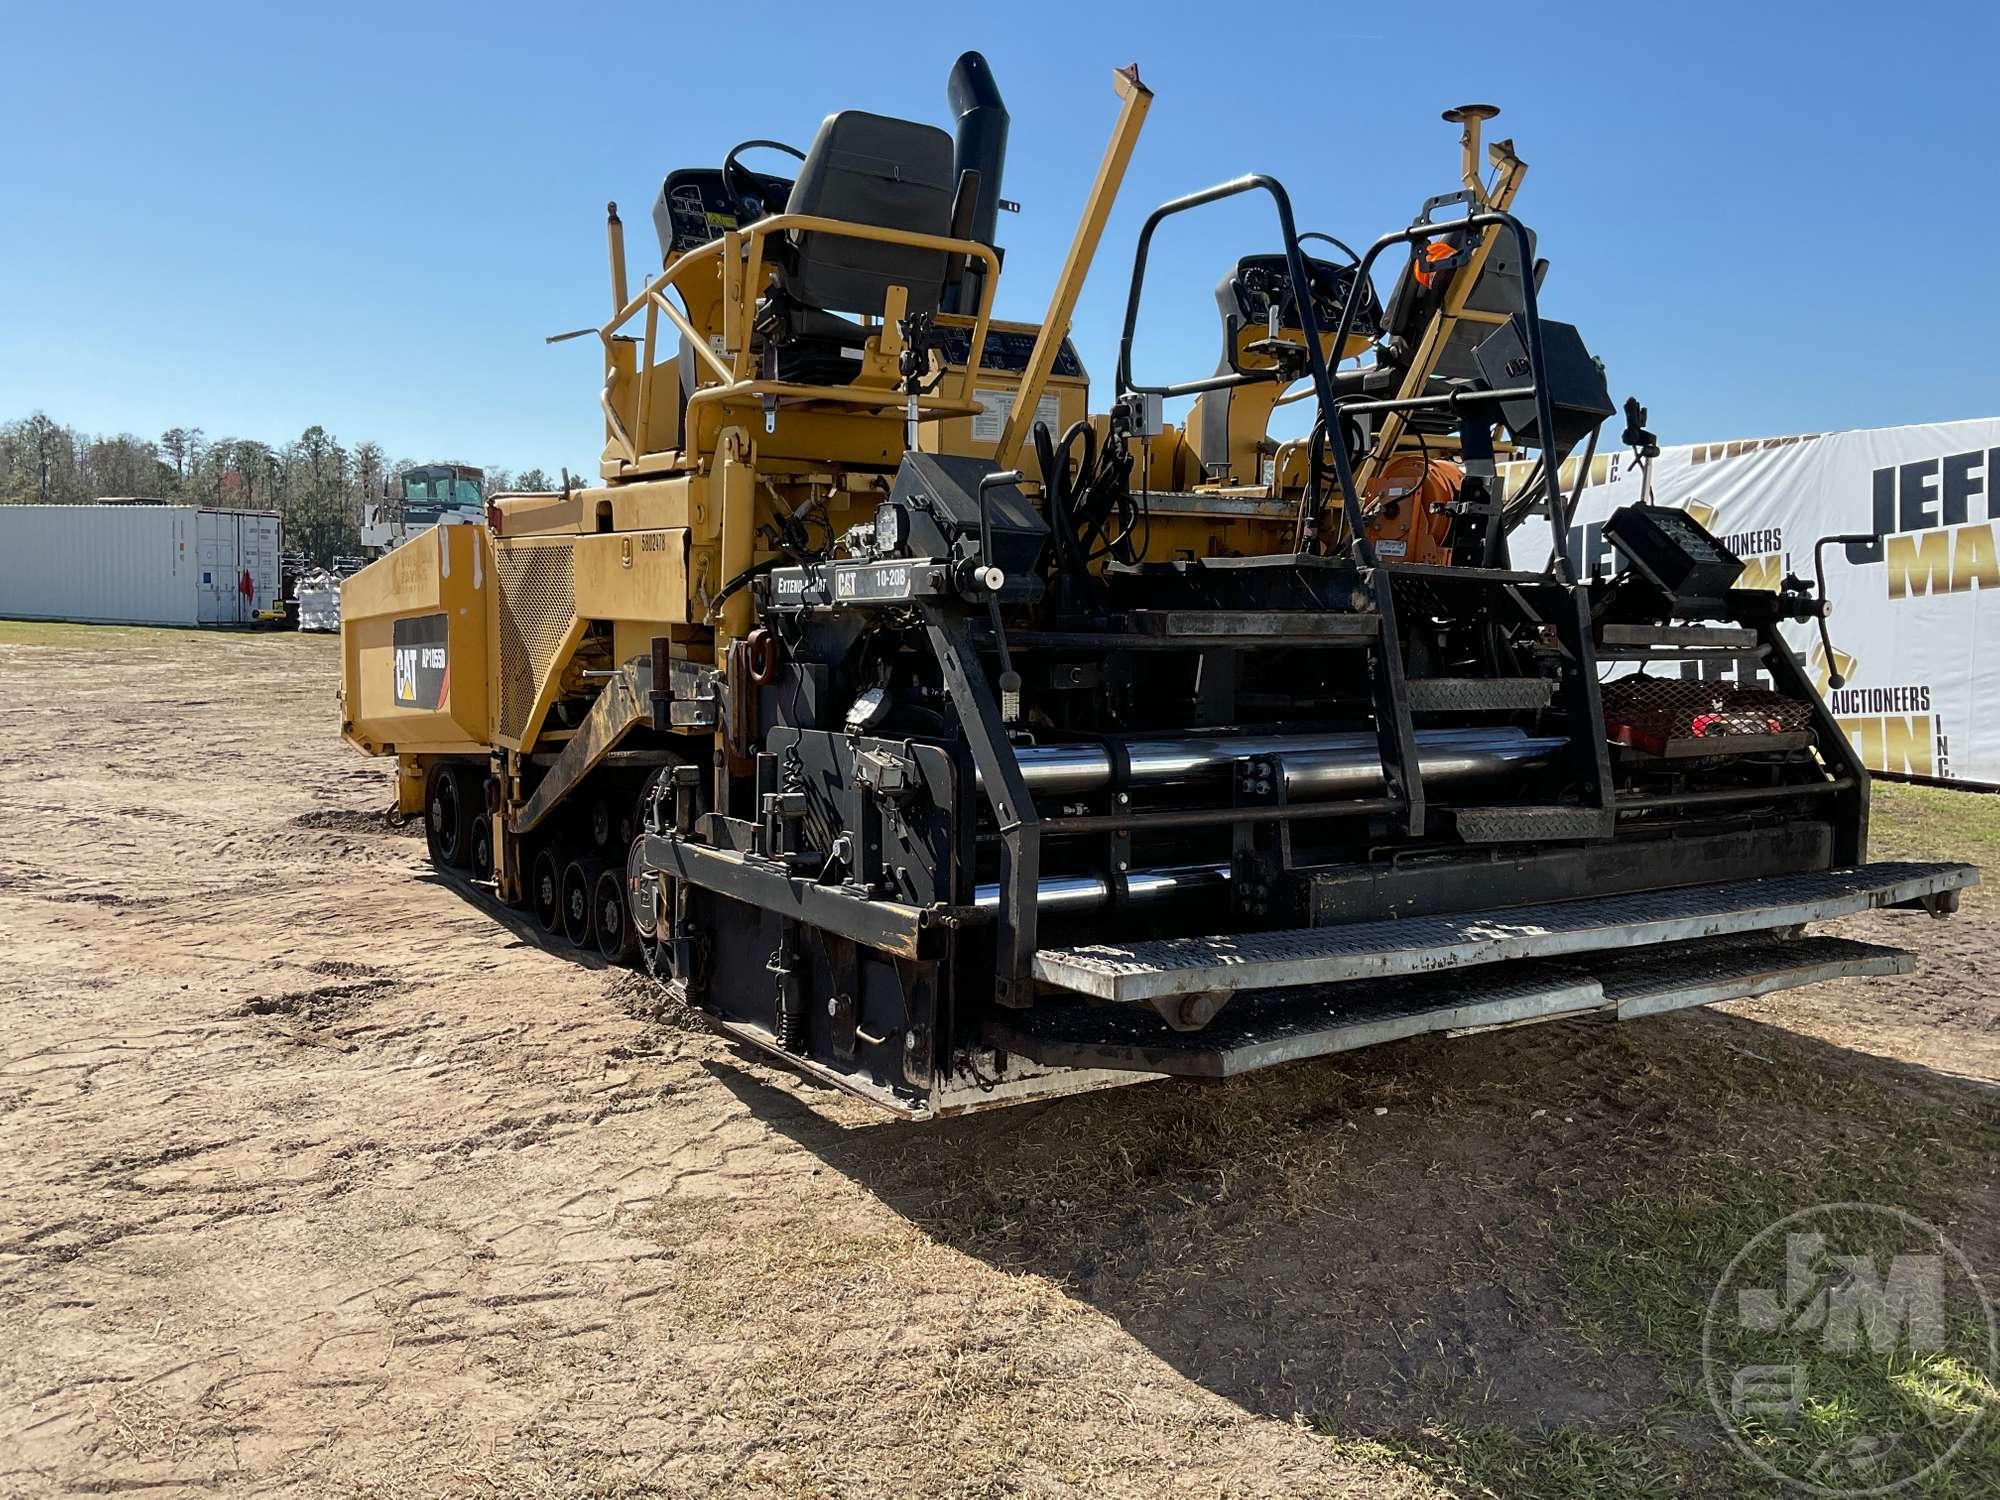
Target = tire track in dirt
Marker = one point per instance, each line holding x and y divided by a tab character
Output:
325	1180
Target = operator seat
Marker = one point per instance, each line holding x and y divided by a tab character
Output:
1227	426
1498	290
865	169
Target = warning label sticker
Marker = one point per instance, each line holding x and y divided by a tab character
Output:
996	406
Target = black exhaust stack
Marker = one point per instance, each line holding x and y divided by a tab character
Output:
979	145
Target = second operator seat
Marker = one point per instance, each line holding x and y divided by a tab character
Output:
865	169
1228	427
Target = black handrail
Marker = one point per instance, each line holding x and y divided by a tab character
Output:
1357	294
1295	269
1537	366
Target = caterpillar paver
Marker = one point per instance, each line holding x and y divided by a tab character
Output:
961	746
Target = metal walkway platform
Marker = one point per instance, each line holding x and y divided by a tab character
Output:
1267	1027
1378	950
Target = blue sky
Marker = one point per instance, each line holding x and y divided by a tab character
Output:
251	218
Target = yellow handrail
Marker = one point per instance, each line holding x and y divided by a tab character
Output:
693	334
734	376
1076	265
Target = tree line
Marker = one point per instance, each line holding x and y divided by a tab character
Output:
317	484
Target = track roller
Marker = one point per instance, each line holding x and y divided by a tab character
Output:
448	817
612	917
482	846
578	900
545	891
642	904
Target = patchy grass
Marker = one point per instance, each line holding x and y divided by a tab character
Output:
1475	1268
1646	1264
1741	1147
1928	822
1638	1268
72	636
1558	1464
1150	1197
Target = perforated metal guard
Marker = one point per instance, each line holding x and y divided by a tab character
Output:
536	592
1359	950
1273	1026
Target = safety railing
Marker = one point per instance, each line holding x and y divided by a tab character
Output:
1536	390
743	266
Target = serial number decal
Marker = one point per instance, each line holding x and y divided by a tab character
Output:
852	583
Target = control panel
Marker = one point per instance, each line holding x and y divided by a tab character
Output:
1007	350
694	207
1260	280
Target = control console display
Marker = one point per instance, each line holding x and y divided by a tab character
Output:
694	208
1261	279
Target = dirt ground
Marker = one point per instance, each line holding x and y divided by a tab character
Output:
320	1177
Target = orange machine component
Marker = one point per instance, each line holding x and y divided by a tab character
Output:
1434	252
1407	509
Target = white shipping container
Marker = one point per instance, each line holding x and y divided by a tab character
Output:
138	564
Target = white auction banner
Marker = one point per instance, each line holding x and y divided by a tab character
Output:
1921	695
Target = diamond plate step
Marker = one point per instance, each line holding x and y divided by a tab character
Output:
1264	1028
1436	695
1660	980
1527	825
1361	950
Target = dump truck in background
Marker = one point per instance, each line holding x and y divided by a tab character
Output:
961	746
419	498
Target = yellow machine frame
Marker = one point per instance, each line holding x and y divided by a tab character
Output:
684	500
564	589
